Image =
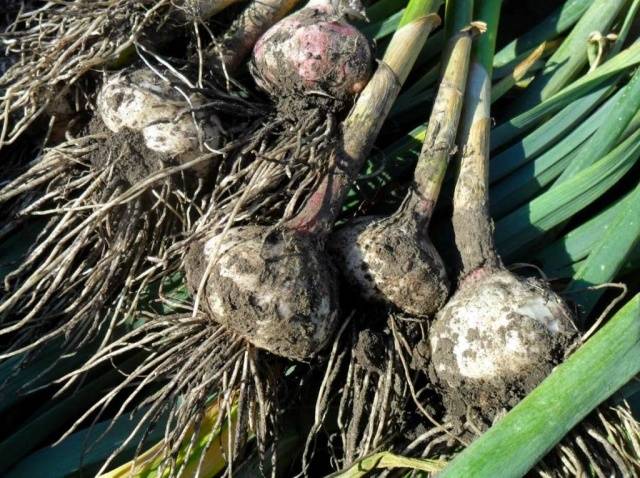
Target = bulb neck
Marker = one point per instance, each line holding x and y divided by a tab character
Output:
416	208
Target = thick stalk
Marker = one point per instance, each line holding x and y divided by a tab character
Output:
365	120
457	15
441	131
472	225
208	8
245	31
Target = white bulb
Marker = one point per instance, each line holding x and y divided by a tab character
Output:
275	290
499	331
388	260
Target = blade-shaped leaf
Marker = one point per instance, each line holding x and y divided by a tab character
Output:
51	421
383	9
385	460
528	223
577	244
213	441
517	186
627	105
518	125
568	60
563	18
83	452
546	135
609	255
385	27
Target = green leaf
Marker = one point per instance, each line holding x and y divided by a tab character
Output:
593	373
528	223
609	255
383	9
568	60
518	125
528	181
577	244
563	18
84	452
50	362
418	9
383	28
418	99
521	71
173	288
632	264
46	367
597	81
211	444
627	105
386	460
629	20
531	176
51	422
433	49
17	245
559	21
457	15
562	126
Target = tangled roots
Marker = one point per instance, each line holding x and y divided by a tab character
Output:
606	443
365	383
102	243
187	363
112	211
54	46
110	235
269	175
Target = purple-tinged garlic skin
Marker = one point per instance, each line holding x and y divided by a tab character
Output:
498	337
388	260
275	289
311	50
